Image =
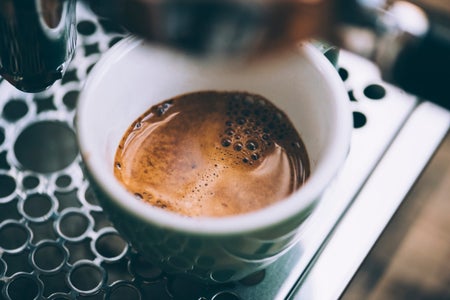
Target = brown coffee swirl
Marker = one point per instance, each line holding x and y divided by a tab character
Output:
212	154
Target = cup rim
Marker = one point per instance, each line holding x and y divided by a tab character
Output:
333	158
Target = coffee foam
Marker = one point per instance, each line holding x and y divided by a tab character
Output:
212	154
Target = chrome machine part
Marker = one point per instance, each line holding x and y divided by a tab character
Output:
410	45
402	23
37	41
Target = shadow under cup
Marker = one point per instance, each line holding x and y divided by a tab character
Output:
133	76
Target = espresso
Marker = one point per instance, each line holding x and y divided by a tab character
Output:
212	154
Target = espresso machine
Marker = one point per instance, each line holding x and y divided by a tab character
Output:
56	241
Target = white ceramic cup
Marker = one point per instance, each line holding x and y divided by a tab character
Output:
134	75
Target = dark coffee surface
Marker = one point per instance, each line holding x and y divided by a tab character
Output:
212	154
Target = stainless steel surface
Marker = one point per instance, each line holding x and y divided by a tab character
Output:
386	34
375	204
55	240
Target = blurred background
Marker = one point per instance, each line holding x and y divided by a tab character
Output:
411	260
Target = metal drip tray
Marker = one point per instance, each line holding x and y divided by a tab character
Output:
56	242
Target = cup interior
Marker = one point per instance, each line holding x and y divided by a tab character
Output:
135	75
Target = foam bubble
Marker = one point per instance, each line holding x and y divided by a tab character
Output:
229	131
251	145
238	146
226	142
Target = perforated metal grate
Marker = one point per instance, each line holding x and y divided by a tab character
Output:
55	240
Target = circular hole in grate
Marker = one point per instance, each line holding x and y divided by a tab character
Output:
46	146
110	245
45	103
89	69
49	257
63	181
351	96
343	73
73	225
225	296
90	49
30	182
70	99
359	119
124	291
90	197
70	76
4	164
2	135
86	277
15	109
221	276
37	205
114	41
86	27
7	185
23	286
9	211
13	236
375	92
